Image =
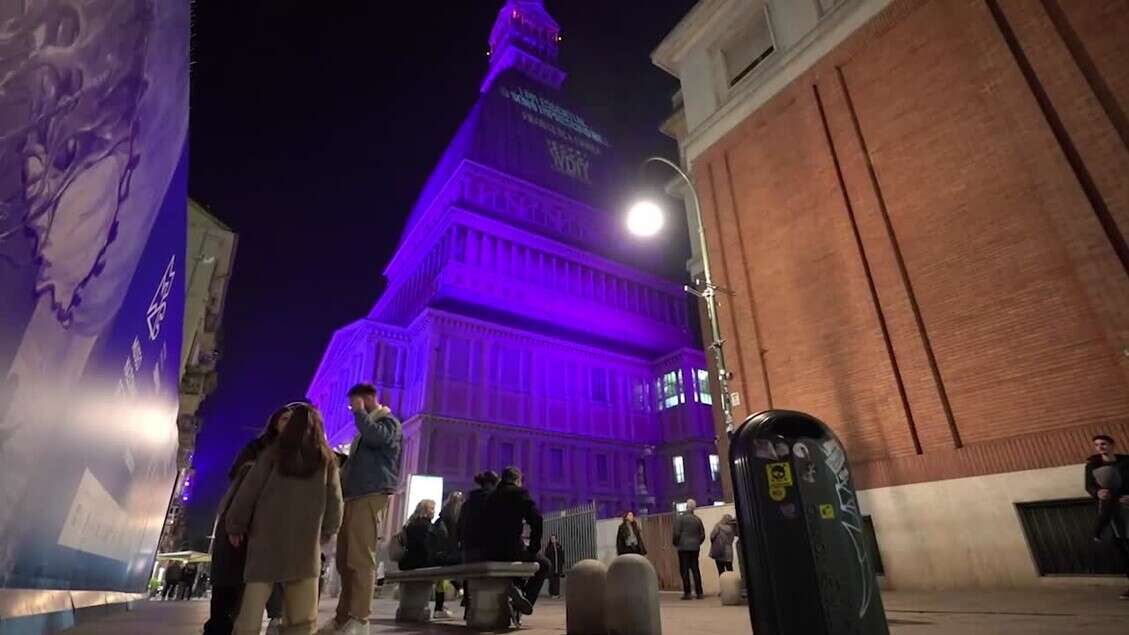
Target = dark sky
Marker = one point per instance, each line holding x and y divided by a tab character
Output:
313	128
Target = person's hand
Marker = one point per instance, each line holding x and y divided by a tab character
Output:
356	403
235	540
1103	494
1124	500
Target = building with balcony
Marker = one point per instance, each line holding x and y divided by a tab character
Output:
211	254
517	328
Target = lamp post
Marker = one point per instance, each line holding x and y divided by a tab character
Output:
645	218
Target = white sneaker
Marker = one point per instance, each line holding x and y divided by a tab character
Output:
443	614
354	628
274	626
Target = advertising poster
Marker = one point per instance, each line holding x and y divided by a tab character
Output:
93	162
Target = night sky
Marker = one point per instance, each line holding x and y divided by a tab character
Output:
313	128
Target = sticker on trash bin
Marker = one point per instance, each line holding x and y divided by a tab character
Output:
779	474
777	493
827	512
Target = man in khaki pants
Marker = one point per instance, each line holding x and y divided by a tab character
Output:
371	475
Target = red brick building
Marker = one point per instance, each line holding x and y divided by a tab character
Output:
922	208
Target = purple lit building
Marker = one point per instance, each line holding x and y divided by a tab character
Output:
512	331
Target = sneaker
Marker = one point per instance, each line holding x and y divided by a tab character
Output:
353	627
520	602
330	628
686	596
274	626
1124	596
443	614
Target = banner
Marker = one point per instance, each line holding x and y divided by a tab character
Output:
93	162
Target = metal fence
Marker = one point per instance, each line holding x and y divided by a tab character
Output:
575	529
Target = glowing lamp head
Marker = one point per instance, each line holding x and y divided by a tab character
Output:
645	219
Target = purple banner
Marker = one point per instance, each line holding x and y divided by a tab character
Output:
93	122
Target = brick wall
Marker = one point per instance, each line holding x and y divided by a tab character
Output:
926	237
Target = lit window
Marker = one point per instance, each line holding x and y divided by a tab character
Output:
680	507
669	389
703	386
715	467
679	470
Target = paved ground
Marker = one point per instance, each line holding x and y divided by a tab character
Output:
1093	611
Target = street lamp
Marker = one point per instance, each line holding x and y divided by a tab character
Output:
645	219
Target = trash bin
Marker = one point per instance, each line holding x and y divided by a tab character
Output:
804	552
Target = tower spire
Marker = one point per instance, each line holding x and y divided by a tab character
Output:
525	38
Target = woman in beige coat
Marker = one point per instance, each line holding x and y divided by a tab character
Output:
286	508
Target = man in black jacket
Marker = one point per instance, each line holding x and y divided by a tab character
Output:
1107	479
689	534
508	509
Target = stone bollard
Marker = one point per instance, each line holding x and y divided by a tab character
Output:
584	598
731	588
633	597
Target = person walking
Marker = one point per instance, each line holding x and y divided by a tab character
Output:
294	494
628	538
508	509
371	475
689	534
721	543
228	560
554	553
172	579
1107	480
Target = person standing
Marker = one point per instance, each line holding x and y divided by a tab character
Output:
554	553
721	543
1107	480
228	560
629	539
294	493
188	582
372	473
172	579
689	534
508	509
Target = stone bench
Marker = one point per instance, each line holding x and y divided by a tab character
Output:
488	607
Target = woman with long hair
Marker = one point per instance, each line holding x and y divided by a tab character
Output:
629	539
228	560
293	493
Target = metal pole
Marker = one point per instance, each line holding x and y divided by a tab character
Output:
707	290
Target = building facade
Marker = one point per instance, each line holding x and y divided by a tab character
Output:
211	255
514	328
922	207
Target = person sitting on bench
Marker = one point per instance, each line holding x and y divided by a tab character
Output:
507	510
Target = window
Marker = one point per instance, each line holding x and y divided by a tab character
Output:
640	396
679	470
669	388
508	366
599	387
602	468
715	467
458	359
556	463
702	386
505	454
748	48
389	365
680	507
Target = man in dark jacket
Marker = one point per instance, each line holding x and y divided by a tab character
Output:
689	534
1107	480
554	553
173	574
471	529
508	509
371	475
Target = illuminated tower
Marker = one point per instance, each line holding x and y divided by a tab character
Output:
512	330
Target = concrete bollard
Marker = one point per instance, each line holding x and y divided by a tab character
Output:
731	588
584	598
633	597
